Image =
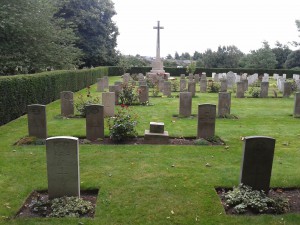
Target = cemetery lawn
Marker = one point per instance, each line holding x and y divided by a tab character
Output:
156	184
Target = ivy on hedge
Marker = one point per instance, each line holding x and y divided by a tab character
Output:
16	92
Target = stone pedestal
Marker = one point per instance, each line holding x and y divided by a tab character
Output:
156	134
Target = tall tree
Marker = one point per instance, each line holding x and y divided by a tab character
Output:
93	25
293	60
176	56
31	40
281	52
262	58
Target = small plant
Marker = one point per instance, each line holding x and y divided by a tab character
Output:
213	87
150	83
191	68
82	102
155	91
242	198
174	85
214	139
62	207
128	95
122	125
254	92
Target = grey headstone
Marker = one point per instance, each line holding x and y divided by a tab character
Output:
37	122
287	89
240	89
143	94
67	103
161	84
185	104
203	85
224	104
258	153
245	82
100	84
297	105
167	88
116	90
182	76
157	127
206	120
94	122
108	101
192	87
264	89
223	85
63	167
105	81
230	76
182	85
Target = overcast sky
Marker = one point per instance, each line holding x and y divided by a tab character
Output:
195	25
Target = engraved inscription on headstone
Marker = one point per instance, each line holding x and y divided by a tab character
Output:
94	122
37	122
63	167
258	153
206	120
108	101
224	104
185	104
67	106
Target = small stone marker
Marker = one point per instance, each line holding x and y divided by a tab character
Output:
94	122
156	134
66	103
206	120
230	76
37	122
115	89
161	84
185	104
224	104
167	88
245	82
197	78
182	85
143	94
297	105
258	153
240	89
191	77
63	167
264	89
182	76
192	88
223	85
108	101
100	84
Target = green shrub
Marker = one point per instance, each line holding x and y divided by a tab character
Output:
213	87
175	85
128	95
122	125
82	102
254	92
16	92
242	198
155	91
201	141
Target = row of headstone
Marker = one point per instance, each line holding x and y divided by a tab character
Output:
185	104
63	170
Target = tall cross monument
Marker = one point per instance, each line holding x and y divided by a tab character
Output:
157	64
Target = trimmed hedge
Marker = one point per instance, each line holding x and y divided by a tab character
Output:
16	92
117	71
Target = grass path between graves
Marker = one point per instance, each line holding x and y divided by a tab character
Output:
154	184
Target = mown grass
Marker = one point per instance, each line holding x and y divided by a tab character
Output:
154	184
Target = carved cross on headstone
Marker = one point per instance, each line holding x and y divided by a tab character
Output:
158	40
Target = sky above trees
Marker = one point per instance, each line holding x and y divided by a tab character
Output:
193	25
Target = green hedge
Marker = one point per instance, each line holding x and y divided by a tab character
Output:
117	71
16	92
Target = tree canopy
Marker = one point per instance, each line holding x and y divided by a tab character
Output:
31	39
93	25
